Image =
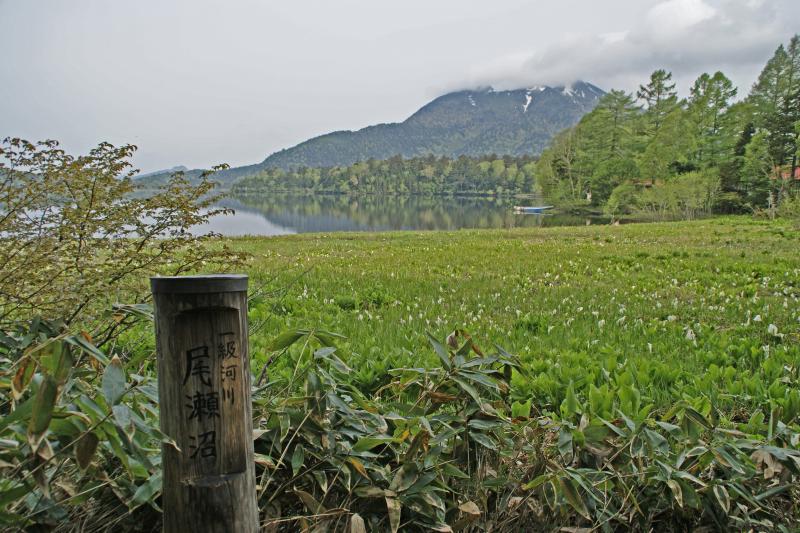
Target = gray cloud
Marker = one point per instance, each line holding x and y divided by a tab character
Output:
685	36
197	82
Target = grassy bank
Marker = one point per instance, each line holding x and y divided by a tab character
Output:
649	382
706	310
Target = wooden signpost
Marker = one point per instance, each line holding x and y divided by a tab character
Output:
204	398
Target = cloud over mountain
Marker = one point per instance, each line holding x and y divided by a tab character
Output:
685	36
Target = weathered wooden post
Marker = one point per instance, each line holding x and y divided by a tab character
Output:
204	397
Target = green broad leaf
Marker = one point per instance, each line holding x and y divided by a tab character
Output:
595	434
405	476
11	491
537	482
696	417
565	443
327	354
422	484
774	491
113	438
90	408
298	458
313	506
87	347
672	429
147	491
22	412
570	406
322	480
677	492
114	381
85	450
657	441
585	484
478	377
483	440
440	350
521	409
630	424
630	400
690	497
572	496
724	500
618	431
327	338
42	411
453	471
484	425
550	493
727	460
367	443
469	389
64	364
434	500
124	419
285	339
369	491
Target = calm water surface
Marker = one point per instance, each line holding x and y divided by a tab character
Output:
286	214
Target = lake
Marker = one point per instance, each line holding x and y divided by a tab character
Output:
280	214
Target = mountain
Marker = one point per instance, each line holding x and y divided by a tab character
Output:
479	122
179	168
486	121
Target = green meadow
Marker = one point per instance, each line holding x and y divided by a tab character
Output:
704	311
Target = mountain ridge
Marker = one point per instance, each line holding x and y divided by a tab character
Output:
465	122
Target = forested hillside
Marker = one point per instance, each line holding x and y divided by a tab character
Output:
657	153
517	122
421	175
473	123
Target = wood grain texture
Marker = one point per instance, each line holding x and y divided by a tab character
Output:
204	398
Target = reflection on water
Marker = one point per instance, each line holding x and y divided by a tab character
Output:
282	214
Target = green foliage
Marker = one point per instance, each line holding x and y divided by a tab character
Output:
751	146
790	209
421	175
421	453
687	196
660	100
436	449
75	429
709	108
76	239
633	402
758	169
79	437
775	101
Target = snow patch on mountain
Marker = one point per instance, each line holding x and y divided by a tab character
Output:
528	99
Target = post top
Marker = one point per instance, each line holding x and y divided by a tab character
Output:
208	283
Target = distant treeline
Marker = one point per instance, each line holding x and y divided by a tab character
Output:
650	153
487	175
655	153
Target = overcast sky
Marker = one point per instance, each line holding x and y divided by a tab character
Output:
197	82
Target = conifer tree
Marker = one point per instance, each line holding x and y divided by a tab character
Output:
660	99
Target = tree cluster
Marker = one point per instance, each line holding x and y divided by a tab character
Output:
657	153
487	175
75	239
